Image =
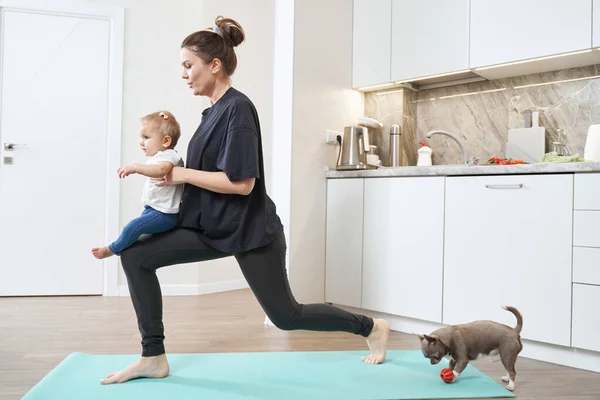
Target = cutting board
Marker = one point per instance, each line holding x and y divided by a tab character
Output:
591	152
527	144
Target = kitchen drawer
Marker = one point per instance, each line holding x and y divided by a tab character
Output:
586	318
586	265
587	192
586	228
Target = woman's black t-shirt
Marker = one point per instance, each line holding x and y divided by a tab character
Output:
229	140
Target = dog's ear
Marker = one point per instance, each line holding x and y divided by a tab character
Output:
421	337
442	343
431	339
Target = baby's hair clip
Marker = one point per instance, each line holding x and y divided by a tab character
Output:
163	115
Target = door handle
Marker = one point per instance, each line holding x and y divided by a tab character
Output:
518	186
11	146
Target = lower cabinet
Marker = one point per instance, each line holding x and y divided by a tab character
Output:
343	248
403	246
508	241
586	318
453	250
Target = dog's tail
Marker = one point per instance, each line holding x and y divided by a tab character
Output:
519	317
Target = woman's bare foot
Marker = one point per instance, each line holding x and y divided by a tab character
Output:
101	252
377	341
145	367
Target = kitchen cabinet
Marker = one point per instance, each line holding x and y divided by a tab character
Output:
508	241
403	246
429	37
587	191
586	268
586	235
596	24
371	36
586	228
510	30
344	236
586	318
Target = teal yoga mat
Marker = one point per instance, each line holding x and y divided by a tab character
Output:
270	375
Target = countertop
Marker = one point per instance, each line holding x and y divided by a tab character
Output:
467	170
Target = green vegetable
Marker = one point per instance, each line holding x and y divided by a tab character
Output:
553	157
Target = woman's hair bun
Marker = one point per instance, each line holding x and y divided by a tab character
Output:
231	29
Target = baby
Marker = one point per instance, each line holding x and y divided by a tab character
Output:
159	133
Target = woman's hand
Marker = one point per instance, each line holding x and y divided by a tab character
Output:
175	177
126	170
216	181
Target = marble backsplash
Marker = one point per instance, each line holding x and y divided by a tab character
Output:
481	113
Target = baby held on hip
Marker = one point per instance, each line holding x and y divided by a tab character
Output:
165	199
159	133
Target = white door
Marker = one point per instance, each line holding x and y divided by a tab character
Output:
54	106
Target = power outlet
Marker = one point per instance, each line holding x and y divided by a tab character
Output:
330	136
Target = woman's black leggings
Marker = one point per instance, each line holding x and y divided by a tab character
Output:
263	268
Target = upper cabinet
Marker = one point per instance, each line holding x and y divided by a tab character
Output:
429	37
596	28
371	42
416	41
510	30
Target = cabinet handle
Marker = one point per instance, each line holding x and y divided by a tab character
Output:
518	186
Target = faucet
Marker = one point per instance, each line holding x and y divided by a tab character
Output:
462	148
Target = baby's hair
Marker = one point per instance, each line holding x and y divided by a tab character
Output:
166	124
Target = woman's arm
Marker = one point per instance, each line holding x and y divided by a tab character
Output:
218	182
214	181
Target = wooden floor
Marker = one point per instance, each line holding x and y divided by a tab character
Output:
38	333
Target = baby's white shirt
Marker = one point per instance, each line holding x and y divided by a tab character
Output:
165	199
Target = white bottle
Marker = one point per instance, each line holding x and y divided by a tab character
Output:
424	159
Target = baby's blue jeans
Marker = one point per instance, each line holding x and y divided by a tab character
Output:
151	221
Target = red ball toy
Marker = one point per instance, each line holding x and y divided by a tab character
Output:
447	375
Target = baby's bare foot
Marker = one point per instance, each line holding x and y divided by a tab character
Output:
145	367
101	252
377	341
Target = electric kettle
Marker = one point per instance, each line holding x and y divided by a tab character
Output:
354	148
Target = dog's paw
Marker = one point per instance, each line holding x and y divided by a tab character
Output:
505	378
456	375
510	386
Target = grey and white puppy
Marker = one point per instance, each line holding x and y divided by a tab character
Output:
469	342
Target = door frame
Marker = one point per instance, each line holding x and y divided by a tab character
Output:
116	16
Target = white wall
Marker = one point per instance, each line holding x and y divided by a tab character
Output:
321	100
154	30
321	53
283	96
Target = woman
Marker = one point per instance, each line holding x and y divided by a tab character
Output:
225	210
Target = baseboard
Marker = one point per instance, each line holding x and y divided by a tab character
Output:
191	290
560	355
567	356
